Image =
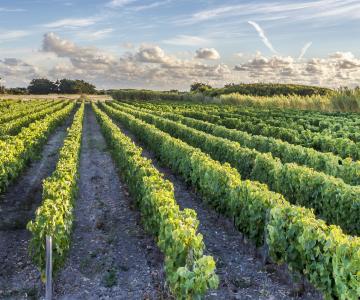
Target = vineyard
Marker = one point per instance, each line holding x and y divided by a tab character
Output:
171	200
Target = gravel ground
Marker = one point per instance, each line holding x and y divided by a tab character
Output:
240	266
19	278
111	257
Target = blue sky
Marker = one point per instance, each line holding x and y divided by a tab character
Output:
168	44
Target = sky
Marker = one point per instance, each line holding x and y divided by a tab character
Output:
168	44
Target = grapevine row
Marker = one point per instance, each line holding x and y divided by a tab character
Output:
17	150
25	109
336	130
312	117
324	254
332	199
14	126
337	127
340	146
328	163
6	104
55	215
189	272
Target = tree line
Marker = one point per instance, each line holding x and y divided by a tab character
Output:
202	92
260	89
198	89
43	86
269	89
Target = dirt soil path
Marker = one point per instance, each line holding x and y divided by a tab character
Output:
19	278
111	257
243	275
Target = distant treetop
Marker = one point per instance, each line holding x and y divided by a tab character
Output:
268	89
63	86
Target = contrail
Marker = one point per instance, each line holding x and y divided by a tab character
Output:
304	49
262	35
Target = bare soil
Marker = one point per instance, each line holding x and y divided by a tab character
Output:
19	278
242	270
111	257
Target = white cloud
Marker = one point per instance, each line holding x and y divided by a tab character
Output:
13	35
151	5
4	9
53	43
11	61
95	35
15	72
207	53
340	68
186	40
72	22
262	35
128	45
119	3
151	54
291	11
239	54
304	50
263	66
149	66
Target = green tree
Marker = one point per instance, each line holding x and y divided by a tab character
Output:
17	91
68	86
83	87
42	86
200	87
2	88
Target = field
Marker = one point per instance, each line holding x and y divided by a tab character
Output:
175	200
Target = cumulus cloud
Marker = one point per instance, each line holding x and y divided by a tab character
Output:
53	43
151	54
12	61
148	65
207	53
16	72
262	35
345	60
340	68
274	67
84	58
